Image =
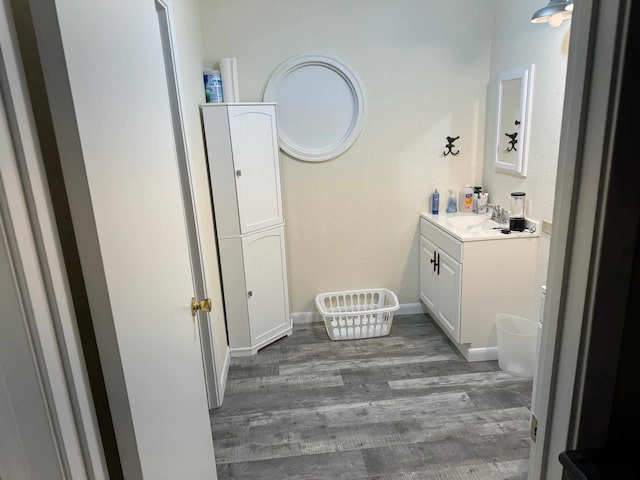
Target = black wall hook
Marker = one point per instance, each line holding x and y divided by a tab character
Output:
513	138
513	142
450	145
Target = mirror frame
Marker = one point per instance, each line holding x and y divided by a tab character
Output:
296	147
525	74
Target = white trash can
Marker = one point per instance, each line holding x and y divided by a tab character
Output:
516	344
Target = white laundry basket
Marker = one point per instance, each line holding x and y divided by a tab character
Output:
357	313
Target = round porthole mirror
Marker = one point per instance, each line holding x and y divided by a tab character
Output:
321	107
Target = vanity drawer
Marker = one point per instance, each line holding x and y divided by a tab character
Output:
443	240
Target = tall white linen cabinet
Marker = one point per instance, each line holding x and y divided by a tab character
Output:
244	173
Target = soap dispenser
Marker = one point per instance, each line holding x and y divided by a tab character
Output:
452	204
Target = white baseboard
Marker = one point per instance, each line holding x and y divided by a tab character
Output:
482	354
242	352
305	317
309	317
410	309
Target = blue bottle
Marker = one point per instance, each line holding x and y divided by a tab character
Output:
435	202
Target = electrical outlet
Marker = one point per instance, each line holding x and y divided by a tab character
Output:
547	226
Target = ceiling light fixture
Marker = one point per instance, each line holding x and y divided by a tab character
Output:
554	13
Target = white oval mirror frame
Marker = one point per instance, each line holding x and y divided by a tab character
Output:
513	158
321	107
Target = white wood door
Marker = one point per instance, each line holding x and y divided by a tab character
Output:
110	107
449	281
428	275
266	280
254	141
213	334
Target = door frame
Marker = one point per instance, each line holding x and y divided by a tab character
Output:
575	222
35	252
577	249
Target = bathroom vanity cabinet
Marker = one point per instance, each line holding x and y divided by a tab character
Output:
466	280
244	169
440	280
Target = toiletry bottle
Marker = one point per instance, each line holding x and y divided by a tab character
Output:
435	202
452	205
466	199
212	86
481	203
477	191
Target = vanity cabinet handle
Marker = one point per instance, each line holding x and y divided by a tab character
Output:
433	261
436	262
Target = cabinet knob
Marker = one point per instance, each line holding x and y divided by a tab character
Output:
238	173
250	293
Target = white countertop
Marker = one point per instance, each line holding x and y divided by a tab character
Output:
477	232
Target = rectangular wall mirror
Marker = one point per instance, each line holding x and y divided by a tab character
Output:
514	109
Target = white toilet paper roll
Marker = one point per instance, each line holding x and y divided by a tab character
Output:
229	74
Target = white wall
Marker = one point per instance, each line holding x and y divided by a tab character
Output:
189	52
352	221
517	42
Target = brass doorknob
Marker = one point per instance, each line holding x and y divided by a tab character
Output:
202	305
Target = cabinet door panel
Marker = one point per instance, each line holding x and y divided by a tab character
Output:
266	280
255	156
428	277
448	305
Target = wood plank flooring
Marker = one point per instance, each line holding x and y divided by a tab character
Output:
403	407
